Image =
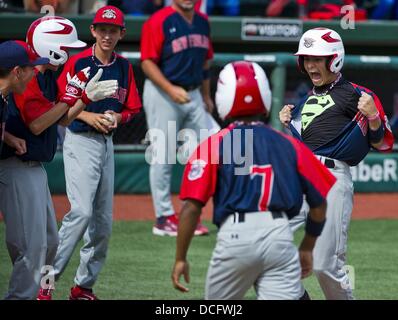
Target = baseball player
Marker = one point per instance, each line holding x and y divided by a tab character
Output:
31	229
175	53
88	153
339	121
16	70
252	201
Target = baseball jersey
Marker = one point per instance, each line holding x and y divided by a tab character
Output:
279	170
38	98
331	125
179	48
125	101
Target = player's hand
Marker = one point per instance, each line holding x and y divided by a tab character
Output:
180	268
75	86
306	263
285	115
97	90
98	121
16	143
209	104
179	95
367	105
117	117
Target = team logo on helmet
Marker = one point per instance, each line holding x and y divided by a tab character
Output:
197	169
308	42
109	14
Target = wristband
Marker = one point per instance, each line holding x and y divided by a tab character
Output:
374	117
376	135
85	99
314	228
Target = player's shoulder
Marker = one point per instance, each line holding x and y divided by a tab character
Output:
161	15
202	15
359	89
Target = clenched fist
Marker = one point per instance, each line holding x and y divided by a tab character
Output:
285	115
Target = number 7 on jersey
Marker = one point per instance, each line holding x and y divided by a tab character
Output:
267	180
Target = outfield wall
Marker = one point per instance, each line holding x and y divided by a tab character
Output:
377	173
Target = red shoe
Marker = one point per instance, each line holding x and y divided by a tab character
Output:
45	294
79	293
168	228
201	230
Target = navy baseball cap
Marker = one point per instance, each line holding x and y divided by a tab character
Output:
17	53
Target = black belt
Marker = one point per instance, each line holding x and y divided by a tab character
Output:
188	87
275	215
329	163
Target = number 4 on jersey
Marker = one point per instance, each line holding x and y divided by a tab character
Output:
267	180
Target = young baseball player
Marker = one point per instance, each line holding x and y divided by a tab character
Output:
88	153
254	200
175	54
31	229
339	121
16	70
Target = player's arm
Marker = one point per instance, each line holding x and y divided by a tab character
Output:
132	105
176	93
49	118
314	225
205	88
367	106
316	182
16	143
188	220
285	115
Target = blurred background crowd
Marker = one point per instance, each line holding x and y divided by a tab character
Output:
304	9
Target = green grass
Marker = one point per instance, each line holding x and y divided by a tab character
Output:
139	264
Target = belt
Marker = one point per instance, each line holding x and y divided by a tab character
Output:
240	216
187	87
329	163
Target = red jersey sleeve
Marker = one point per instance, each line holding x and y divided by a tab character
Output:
32	103
200	174
152	39
133	103
388	139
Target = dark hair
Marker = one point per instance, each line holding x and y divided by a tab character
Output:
4	72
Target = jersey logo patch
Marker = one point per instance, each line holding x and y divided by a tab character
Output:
197	169
313	107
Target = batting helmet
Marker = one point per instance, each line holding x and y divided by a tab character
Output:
242	90
321	42
50	36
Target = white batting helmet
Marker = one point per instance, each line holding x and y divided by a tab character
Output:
242	90
321	42
50	36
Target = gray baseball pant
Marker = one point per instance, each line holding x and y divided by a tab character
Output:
167	117
331	247
31	227
258	252
89	175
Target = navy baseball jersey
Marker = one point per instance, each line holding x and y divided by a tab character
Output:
178	47
331	125
126	99
38	98
280	171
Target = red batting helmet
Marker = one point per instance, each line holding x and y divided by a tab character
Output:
49	37
242	90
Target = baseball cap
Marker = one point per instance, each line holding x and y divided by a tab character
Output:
109	15
17	53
